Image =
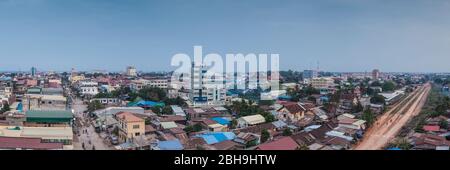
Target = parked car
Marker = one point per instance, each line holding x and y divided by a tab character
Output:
114	140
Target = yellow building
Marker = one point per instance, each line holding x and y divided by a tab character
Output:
130	126
322	83
74	79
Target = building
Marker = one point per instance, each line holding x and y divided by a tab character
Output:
205	91
108	101
63	135
310	74
131	71
376	74
33	71
285	143
44	102
292	112
114	110
76	78
130	126
88	88
17	143
250	120
393	97
137	85
322	83
49	118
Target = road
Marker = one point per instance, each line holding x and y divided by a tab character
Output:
389	124
86	132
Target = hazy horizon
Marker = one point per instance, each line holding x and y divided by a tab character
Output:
341	35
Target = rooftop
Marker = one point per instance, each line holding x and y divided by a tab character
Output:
285	143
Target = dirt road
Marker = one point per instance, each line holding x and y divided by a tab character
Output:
390	123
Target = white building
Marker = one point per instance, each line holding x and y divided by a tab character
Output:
204	91
131	71
141	83
88	87
250	120
393	97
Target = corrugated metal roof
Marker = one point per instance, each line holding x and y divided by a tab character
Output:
216	137
170	145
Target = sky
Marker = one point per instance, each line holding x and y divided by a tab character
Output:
337	35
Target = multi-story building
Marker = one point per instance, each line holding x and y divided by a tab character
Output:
322	83
44	102
88	88
131	71
376	74
309	74
136	85
130	126
33	71
205	91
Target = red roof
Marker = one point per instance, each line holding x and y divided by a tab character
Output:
294	108
431	128
285	143
27	143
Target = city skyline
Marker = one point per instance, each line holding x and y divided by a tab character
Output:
344	36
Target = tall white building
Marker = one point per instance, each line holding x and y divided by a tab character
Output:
131	71
206	91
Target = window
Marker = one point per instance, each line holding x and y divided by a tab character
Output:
137	134
135	126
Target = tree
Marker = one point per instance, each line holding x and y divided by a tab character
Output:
287	132
103	95
234	123
95	105
189	129
368	116
197	127
376	83
268	116
157	110
5	108
303	147
402	143
378	99
265	135
193	128
310	90
357	107
167	110
389	86
443	124
175	101
442	108
152	93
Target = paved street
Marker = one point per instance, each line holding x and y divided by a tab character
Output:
86	132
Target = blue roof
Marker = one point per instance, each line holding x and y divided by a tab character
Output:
284	97
20	107
5	78
221	120
394	149
170	145
217	137
144	103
